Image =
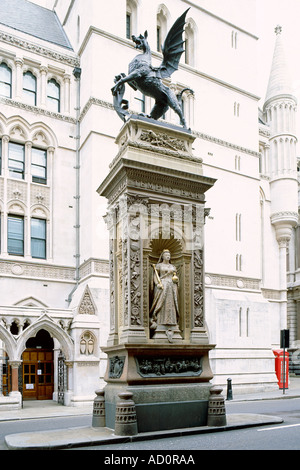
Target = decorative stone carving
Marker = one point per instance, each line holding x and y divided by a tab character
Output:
112	283
163	140
41	50
166	366
116	366
126	420
99	410
87	343
216	408
135	284
87	306
198	289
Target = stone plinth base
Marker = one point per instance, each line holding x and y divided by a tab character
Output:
161	407
12	402
169	383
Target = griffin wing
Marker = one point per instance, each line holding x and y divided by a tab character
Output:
172	48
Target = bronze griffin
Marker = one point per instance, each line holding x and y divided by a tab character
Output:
147	79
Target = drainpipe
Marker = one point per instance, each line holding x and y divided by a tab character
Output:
77	75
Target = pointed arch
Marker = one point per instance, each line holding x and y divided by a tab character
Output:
190	42
162	21
18	132
6	78
262	195
39	133
9	342
45	322
131	17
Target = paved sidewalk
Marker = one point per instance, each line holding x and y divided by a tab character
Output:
37	409
84	436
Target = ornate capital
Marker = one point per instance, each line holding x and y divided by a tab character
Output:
43	69
283	241
15	364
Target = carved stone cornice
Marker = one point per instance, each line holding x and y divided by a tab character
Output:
52	272
95	101
224	143
264	132
94	266
222	280
140	177
284	215
72	61
271	294
35	109
35	270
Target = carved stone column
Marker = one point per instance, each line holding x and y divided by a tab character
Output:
129	274
66	93
19	77
283	222
110	220
43	94
15	376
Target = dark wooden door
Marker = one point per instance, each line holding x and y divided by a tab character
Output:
38	378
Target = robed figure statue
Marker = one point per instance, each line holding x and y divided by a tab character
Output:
164	310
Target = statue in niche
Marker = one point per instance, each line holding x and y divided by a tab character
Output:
147	79
164	284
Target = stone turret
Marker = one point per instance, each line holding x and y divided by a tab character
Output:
280	114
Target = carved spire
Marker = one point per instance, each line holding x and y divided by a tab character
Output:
279	80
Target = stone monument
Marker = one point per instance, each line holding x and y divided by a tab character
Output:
158	346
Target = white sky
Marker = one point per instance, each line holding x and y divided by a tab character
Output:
285	13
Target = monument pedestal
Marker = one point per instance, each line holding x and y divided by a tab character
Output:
169	382
158	346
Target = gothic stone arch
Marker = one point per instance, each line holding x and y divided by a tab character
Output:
9	343
46	323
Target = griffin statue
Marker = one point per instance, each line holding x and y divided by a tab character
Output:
147	79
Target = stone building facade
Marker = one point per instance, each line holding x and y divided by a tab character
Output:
58	61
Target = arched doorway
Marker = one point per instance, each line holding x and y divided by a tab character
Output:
38	368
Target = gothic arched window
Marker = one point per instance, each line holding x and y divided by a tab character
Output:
53	95
5	80
29	88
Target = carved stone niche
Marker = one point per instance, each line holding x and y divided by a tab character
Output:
134	252
181	260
